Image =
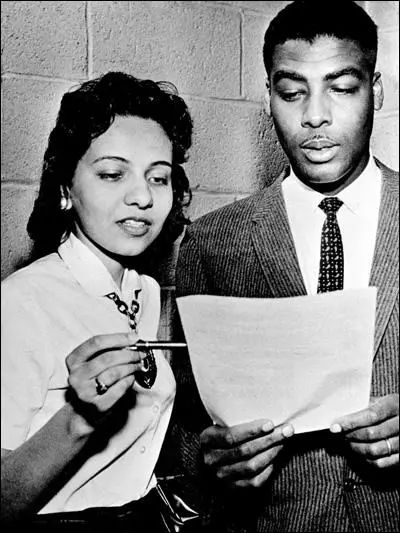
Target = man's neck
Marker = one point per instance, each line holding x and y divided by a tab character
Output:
335	187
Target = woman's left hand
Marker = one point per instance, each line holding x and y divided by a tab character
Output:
373	432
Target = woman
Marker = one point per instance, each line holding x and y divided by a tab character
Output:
83	415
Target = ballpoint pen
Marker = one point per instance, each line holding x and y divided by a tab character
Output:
157	345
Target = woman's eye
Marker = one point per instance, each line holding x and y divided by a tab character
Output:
159	180
110	176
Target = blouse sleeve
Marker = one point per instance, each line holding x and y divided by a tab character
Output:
25	367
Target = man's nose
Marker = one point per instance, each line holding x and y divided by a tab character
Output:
139	192
317	112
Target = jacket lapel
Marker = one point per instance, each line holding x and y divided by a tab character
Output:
276	252
385	266
274	245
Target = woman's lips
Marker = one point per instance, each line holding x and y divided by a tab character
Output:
135	227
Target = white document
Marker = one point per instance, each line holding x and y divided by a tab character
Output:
305	360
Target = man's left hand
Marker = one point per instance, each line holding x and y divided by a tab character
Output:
373	432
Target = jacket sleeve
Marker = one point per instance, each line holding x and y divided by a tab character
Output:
189	417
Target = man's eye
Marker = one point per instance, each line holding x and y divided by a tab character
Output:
290	96
345	90
110	176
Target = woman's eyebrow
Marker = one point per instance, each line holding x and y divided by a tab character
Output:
123	160
112	157
161	162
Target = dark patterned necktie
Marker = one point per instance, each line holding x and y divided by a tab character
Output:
147	376
331	271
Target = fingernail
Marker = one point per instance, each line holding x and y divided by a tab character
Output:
335	428
268	426
288	431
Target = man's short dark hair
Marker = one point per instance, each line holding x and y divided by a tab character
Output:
308	20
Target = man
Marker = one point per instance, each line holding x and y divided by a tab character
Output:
322	91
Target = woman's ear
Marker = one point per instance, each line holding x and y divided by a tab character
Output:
65	202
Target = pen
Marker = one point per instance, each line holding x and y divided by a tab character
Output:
157	345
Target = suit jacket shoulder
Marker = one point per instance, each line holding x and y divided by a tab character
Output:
390	177
233	218
223	216
224	252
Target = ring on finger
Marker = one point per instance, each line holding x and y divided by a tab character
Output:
389	447
101	388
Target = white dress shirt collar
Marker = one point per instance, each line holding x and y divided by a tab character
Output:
91	273
356	197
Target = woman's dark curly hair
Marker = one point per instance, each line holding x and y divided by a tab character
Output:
85	113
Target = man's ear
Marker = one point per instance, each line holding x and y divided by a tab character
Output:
377	88
267	98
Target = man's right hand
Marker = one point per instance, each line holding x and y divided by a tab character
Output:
243	455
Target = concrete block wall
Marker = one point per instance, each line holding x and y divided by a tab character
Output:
210	50
385	140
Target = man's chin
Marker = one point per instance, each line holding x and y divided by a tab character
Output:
324	177
317	174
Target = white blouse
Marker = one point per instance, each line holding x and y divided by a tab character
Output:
48	309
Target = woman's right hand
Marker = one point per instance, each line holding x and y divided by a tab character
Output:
105	358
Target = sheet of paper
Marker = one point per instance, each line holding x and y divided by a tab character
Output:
306	359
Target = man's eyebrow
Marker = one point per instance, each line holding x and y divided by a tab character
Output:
287	74
295	76
348	71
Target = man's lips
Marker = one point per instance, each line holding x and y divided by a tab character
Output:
319	150
318	144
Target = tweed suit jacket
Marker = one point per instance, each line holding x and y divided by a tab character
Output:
246	249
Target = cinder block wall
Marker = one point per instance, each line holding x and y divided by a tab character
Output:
210	50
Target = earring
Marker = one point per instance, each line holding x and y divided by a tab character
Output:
65	203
